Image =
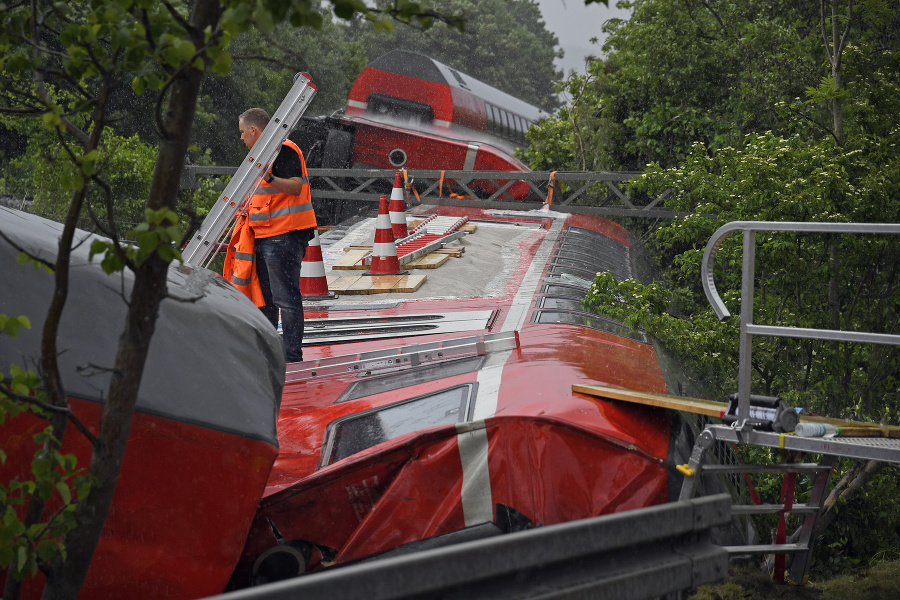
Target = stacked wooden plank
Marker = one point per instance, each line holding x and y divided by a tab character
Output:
426	233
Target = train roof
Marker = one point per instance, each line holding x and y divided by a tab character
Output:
423	67
236	359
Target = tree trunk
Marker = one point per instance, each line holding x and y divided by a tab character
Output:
65	578
837	107
835	49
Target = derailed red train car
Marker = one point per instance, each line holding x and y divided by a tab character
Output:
444	416
407	110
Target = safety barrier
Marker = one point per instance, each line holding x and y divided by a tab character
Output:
630	555
584	192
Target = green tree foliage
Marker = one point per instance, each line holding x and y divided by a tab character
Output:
505	44
262	73
124	164
804	281
682	71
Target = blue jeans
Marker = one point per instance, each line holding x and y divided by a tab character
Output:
278	262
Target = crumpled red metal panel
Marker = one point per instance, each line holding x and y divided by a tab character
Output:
549	470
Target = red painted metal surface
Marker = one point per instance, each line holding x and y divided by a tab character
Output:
182	507
549	454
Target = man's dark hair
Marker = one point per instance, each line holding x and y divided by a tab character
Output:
255	117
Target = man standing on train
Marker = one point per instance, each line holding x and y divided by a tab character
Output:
270	245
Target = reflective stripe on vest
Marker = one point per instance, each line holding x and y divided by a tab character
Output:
272	212
240	261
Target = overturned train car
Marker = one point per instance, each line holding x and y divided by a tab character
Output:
447	414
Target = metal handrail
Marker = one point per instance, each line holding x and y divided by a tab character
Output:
583	190
748	328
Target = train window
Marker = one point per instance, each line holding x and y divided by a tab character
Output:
398	108
493	118
395	381
561	290
354	433
588	264
607	254
572	317
520	123
553	302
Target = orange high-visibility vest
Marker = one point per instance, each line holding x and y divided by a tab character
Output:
273	213
240	261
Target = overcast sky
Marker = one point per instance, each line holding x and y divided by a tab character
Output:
575	24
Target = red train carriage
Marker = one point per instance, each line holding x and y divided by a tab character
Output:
407	110
448	414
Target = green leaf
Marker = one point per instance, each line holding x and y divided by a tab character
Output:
64	492
264	20
47	549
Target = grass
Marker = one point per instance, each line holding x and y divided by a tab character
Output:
746	582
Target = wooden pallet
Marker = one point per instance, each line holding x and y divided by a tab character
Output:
429	261
352	260
354	255
375	284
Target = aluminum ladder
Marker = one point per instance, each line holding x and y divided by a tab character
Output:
200	250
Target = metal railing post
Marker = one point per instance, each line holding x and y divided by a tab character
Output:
748	329
746	339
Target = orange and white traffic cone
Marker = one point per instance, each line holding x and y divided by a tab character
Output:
313	283
384	251
397	210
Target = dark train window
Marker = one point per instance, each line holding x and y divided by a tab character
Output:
584	319
354	433
398	108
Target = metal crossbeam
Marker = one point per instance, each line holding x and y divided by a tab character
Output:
597	192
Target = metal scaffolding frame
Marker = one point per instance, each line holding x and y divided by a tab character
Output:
742	430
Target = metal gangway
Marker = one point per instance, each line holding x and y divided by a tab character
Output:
742	430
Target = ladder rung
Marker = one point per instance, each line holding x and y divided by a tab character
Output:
766	509
767	549
780	468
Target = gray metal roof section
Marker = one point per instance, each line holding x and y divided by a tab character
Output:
214	361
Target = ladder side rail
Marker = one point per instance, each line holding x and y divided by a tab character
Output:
251	170
799	571
748	328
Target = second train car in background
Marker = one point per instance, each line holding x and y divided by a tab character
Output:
409	111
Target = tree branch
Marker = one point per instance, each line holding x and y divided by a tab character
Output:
50	408
42	261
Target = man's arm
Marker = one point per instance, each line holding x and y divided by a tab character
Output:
289	185
287	172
